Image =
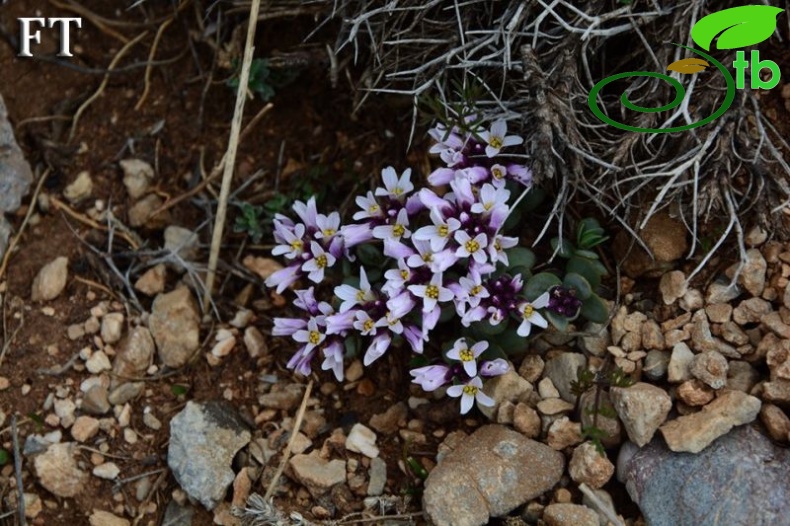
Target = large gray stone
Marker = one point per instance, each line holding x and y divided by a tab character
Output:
739	480
490	473
563	369
175	326
204	438
15	173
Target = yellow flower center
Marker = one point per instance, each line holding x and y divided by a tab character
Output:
488	205
466	355
498	173
496	142
472	246
320	261
297	244
368	325
498	245
528	310
397	191
470	390
398	230
404	274
373	209
314	337
392	321
443	231
475	290
432	292
329	232
360	295
427	257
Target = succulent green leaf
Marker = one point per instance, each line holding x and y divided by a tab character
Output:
482	330
565	249
560	322
590	269
736	27
520	257
578	283
595	309
540	283
587	254
370	256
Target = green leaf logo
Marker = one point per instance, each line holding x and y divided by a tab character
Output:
736	27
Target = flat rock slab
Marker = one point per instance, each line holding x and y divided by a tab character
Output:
490	473
741	479
204	438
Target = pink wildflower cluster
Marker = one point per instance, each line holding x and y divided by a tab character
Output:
442	252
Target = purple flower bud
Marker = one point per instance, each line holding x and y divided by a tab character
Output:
494	367
285	277
288	326
430	377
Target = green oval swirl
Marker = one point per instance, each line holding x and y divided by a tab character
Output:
680	93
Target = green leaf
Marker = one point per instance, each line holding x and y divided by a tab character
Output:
178	389
592	270
578	283
540	283
595	309
4	457
520	257
370	255
510	342
736	27
513	220
587	254
483	330
559	321
566	249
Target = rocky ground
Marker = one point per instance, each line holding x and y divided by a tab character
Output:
122	402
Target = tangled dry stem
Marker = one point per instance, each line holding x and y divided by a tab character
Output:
538	61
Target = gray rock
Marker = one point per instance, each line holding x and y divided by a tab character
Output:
389	421
564	369
694	432
125	393
567	514
95	401
597	340
741	376
79	189
509	387
15	173
112	327
656	363
135	355
58	472
679	363
751	311
673	286
50	280
175	326
178	515
283	397
752	275
204	438
137	176
182	242
711	368
740	480
378	477
589	466
490	473
610	426
722	292
317	474
642	408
